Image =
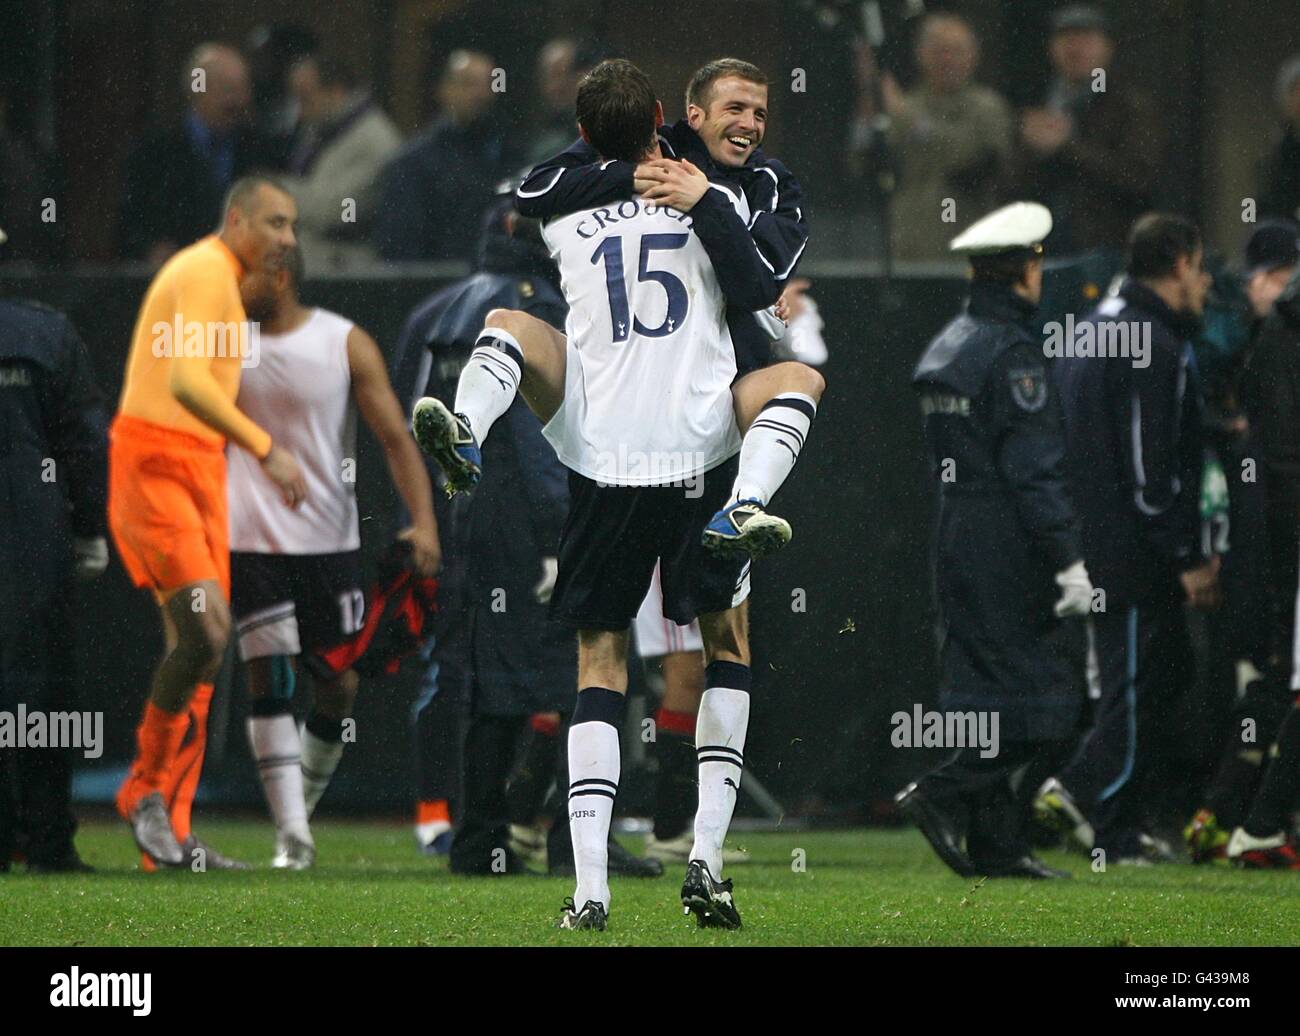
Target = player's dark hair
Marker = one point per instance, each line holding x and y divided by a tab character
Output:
1004	268
616	109
244	190
1157	241
700	88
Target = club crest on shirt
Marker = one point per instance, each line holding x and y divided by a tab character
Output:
1029	388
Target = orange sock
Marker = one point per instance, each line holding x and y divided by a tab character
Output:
157	738
183	781
431	812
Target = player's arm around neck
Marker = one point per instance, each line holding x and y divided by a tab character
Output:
384	416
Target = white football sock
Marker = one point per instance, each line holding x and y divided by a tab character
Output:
274	742
489	381
720	746
772	445
593	782
320	758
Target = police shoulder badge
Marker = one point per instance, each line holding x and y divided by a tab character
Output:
1029	388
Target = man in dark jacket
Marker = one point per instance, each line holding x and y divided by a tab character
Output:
1274	379
435	190
1006	539
177	178
1132	406
1255	431
1092	151
53	489
517	662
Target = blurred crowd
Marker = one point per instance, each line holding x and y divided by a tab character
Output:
913	166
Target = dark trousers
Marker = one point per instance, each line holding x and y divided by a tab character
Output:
1144	660
36	648
492	745
979	791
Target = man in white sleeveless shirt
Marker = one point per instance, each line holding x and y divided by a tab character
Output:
296	579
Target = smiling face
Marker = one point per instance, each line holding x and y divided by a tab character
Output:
735	120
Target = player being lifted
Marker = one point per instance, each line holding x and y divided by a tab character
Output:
774	402
638	405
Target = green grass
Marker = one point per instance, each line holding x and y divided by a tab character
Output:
869	888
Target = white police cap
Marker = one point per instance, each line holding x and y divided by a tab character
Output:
1022	224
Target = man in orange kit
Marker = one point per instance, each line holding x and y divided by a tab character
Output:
167	496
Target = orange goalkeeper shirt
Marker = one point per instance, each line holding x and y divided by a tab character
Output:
189	342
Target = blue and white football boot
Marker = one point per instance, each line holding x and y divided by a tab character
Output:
745	528
447	438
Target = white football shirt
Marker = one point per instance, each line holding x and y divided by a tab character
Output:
647	396
300	391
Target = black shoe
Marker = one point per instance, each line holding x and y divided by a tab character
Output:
628	865
621	862
69	863
1157	849
503	863
1025	867
940	829
591	917
709	900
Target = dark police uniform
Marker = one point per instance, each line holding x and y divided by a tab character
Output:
1134	462
1005	528
492	631
53	487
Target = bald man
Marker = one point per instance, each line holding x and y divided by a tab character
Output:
435	191
177	177
167	497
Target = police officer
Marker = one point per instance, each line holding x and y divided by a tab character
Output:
53	485
501	547
1008	563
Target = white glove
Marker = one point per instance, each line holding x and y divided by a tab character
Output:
91	556
1076	591
546	585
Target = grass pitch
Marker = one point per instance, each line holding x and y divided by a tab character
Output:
844	888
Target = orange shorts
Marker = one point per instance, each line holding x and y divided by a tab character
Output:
167	506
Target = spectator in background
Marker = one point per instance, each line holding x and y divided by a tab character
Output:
949	139
557	86
345	143
1092	151
435	191
560	65
24	184
1279	172
177	178
272	50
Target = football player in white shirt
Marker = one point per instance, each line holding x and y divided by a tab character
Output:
637	400
297	598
